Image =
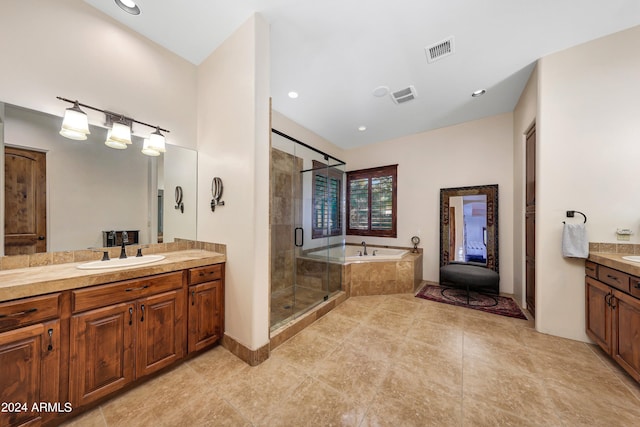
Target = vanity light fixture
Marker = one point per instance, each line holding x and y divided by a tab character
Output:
128	6
75	124
478	93
148	150
118	136
156	141
112	143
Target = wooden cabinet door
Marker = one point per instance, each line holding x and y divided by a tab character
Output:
204	314
101	352
160	325
25	225
626	333
30	361
598	313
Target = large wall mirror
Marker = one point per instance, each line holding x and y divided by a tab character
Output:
469	225
91	188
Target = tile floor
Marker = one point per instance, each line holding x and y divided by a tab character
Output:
391	361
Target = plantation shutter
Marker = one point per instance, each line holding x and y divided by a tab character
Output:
327	185
372	202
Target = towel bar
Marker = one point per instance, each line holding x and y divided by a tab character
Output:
571	214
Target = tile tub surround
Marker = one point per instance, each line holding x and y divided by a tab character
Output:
391	360
384	277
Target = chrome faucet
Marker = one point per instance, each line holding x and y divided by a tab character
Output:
365	248
125	240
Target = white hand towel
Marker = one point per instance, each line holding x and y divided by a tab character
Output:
574	241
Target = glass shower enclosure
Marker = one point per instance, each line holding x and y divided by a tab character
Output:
307	232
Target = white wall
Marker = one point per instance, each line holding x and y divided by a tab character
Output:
474	153
233	144
67	48
588	139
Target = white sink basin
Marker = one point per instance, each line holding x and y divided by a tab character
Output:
634	258
117	262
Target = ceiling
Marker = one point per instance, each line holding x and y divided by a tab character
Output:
334	53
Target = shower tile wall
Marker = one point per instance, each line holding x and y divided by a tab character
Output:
313	274
286	192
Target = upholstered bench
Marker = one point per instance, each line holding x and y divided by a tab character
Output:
471	276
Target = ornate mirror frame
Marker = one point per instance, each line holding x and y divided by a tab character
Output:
491	191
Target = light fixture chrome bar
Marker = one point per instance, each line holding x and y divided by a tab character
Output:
109	114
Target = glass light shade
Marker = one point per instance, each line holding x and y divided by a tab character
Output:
72	134
148	150
156	141
75	120
120	132
112	143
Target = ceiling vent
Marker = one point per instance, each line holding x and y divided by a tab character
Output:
440	50
404	95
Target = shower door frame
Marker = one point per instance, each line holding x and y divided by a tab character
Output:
302	232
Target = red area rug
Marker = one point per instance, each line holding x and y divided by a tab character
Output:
504	306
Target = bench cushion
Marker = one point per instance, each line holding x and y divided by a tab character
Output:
469	275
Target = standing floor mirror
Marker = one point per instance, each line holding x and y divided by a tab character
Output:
469	225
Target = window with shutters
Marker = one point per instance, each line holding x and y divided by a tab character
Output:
327	194
372	201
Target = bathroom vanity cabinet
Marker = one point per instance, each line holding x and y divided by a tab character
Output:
30	344
613	314
124	331
73	348
206	310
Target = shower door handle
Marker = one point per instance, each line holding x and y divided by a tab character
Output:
298	236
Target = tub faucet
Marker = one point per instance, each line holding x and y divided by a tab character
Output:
125	240
365	248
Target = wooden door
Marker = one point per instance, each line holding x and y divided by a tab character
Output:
102	352
598	313
530	220
204	314
160	325
30	358
25	228
625	347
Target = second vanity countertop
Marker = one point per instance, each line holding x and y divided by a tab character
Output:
616	262
31	281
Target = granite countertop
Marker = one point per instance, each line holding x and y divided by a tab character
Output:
615	261
31	281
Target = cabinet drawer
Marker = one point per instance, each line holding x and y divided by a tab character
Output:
205	274
634	286
615	278
28	310
103	295
591	269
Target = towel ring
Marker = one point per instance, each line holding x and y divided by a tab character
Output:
571	214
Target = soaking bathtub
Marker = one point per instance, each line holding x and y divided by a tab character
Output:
352	253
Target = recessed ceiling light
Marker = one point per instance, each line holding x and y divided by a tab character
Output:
380	91
128	6
362	128
478	93
293	95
